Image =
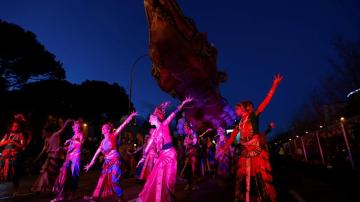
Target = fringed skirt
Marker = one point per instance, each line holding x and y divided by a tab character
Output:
253	179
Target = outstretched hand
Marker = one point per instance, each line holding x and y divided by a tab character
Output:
188	99
277	79
87	167
68	121
134	113
272	125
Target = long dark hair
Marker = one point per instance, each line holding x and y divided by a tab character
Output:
246	104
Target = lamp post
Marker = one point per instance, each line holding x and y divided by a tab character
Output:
304	149
320	147
342	120
132	73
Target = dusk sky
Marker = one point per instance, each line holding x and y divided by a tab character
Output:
99	40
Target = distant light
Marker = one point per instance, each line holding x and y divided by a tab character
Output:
275	143
213	142
297	136
307	132
342	119
229	131
353	92
290	139
321	126
85	125
134	145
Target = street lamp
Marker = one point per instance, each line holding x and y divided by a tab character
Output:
132	73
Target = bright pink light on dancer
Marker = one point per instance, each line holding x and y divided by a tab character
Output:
160	184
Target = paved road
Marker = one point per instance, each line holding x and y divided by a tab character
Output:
294	182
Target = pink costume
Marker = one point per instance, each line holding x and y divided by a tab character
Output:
50	168
71	164
148	161
160	184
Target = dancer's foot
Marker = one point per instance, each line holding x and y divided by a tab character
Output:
71	196
89	198
195	187
59	198
121	199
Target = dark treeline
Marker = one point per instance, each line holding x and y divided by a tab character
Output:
90	100
32	82
327	103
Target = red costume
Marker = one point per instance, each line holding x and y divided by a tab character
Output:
253	178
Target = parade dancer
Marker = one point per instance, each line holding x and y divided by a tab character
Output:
10	160
191	158
148	160
50	169
68	177
160	184
222	158
108	185
253	178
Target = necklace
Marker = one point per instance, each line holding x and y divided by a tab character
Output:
243	121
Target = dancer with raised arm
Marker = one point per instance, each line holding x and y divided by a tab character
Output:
108	185
253	178
68	177
50	169
160	184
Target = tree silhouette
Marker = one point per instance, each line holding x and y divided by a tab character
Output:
23	59
327	104
346	74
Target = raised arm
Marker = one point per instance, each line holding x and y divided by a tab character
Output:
88	166
179	108
277	79
270	127
208	130
128	119
61	130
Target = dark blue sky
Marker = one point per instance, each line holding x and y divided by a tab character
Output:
99	40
